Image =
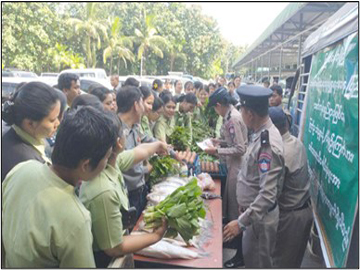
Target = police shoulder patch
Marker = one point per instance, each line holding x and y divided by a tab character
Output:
264	162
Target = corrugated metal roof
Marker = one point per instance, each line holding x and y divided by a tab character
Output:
340	25
285	15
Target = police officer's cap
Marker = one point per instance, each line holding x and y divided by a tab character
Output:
253	96
278	117
217	96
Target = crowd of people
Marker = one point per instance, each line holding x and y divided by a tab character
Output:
74	169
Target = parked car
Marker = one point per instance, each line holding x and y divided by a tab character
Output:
49	74
98	73
9	84
18	73
86	82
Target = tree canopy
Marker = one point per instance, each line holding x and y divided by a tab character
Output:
48	37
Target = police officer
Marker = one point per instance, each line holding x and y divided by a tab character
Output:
295	217
232	146
259	181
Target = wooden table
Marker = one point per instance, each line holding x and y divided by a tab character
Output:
213	246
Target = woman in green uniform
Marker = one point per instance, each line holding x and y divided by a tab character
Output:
148	100
164	127
184	108
33	113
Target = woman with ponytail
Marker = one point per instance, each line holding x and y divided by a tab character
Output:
157	86
33	114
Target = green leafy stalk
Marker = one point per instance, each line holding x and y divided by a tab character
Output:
163	167
183	208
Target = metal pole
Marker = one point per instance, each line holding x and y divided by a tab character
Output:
262	66
299	52
252	70
280	64
269	66
256	67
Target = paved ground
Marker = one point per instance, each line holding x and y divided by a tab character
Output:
309	261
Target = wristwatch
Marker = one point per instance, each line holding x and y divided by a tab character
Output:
241	226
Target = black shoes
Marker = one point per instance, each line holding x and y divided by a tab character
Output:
235	262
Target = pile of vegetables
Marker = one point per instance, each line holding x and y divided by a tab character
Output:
163	167
180	138
182	209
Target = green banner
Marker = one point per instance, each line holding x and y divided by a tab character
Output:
331	138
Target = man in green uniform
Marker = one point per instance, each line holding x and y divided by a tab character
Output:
44	223
259	181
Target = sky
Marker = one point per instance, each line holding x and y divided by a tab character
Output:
242	23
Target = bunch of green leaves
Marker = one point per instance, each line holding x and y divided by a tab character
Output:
182	209
210	114
180	138
200	131
205	157
163	167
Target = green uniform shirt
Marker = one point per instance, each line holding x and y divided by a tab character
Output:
164	128
104	196
219	124
44	223
145	128
183	120
39	145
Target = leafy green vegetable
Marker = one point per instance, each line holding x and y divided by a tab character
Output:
163	167
180	138
182	209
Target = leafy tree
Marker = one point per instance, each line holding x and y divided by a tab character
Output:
90	30
63	58
28	29
148	40
118	45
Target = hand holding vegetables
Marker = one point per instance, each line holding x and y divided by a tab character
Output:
162	148
182	209
160	231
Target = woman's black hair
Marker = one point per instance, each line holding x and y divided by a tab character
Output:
166	97
86	133
145	91
211	85
231	83
177	82
206	88
158	103
157	84
33	101
187	83
198	85
63	100
189	98
93	86
126	97
87	100
131	81
100	92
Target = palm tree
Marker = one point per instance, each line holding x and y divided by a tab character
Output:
91	30
148	40
118	45
175	52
